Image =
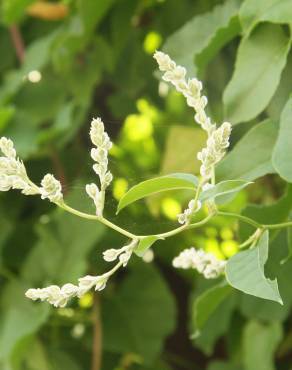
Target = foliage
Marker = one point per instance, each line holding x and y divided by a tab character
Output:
63	62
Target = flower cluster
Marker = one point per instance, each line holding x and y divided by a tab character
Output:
191	88
12	171
51	189
205	263
100	155
217	143
59	296
218	139
193	207
13	176
124	253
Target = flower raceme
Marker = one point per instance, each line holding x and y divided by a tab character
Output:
218	138
59	296
100	155
13	175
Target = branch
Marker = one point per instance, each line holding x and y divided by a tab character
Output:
17	42
97	335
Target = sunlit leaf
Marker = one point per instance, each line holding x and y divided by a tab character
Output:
224	191
156	185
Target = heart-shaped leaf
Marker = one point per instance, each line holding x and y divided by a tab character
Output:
245	272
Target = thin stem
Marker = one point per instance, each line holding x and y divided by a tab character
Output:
97	218
242	218
17	42
278	226
97	335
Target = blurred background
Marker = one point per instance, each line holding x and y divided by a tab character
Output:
63	63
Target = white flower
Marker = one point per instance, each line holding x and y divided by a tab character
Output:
100	283
186	216
111	254
97	196
51	189
191	89
215	150
125	257
100	155
12	171
7	147
205	263
88	282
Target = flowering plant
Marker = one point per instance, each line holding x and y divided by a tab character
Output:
207	192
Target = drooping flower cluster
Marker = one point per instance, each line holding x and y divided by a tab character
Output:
59	296
12	171
191	88
193	207
217	143
100	155
205	263
13	175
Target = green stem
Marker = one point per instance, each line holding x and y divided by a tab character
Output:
242	218
254	223
182	228
278	226
97	218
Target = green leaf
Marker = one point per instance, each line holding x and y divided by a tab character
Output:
260	60
240	164
245	272
203	35
253	12
207	303
145	244
156	185
260	342
19	319
224	190
282	154
256	308
216	325
139	315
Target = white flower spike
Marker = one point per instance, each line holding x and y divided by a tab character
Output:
100	155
